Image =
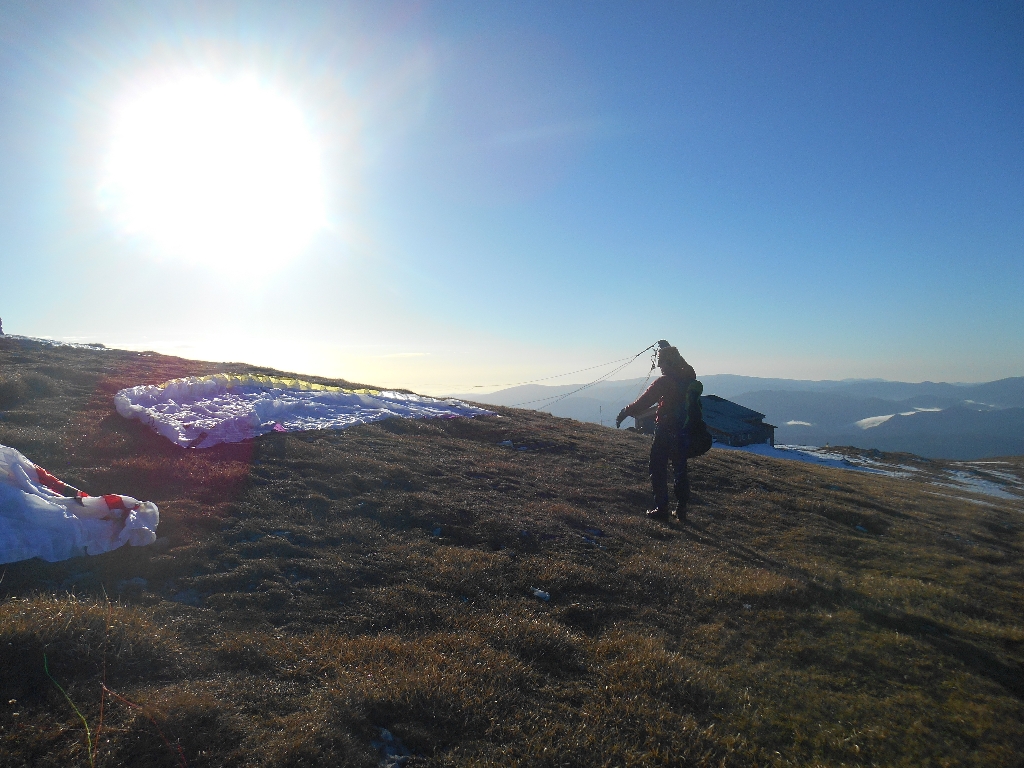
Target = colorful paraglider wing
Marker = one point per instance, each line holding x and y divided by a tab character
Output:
41	516
201	411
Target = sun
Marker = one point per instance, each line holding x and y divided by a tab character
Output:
218	171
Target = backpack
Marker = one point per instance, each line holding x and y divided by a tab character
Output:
700	438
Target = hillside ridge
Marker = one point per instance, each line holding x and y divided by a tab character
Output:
950	421
314	588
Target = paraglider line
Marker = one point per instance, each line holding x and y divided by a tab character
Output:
556	376
557	398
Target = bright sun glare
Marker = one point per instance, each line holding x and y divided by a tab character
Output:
223	172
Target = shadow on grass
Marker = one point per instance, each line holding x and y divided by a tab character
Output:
952	643
748	556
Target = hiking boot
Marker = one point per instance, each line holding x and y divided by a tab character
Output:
658	513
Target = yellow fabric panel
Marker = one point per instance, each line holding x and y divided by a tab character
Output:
229	380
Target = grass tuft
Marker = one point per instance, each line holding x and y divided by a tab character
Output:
85	723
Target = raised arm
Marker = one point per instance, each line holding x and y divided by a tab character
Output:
653	394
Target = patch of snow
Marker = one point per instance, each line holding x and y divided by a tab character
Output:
806	453
826	458
1007	477
881	468
873	421
57	343
968	481
1006	486
979	502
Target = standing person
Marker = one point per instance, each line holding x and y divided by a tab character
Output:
671	439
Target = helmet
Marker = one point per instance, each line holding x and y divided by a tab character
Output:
669	357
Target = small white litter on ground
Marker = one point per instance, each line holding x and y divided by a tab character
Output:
393	752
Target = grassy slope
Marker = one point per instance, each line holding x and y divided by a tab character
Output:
304	601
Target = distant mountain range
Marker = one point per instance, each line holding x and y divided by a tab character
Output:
935	420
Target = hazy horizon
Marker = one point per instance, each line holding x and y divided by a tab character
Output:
555	381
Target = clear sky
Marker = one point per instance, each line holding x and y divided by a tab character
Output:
440	195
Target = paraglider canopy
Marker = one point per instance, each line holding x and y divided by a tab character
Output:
202	411
40	516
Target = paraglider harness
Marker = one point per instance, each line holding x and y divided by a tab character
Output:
700	437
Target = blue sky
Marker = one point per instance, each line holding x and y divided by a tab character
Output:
802	190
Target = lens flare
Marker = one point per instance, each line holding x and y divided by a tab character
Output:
224	172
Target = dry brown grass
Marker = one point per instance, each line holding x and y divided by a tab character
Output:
305	602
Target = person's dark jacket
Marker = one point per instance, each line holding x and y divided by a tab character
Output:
669	392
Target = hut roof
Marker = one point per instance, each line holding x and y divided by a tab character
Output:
727	409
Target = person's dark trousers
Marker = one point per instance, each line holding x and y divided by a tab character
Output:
669	445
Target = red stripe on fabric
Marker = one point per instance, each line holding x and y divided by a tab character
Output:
114	501
51	482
